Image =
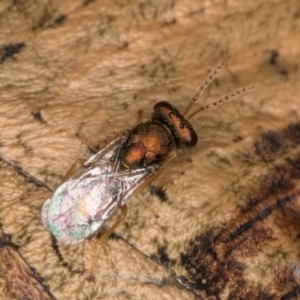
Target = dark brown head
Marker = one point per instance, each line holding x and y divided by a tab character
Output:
182	131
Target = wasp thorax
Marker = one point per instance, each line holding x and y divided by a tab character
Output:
149	143
183	133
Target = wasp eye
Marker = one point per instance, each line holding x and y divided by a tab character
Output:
163	110
162	104
192	140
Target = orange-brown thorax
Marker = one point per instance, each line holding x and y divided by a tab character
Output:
149	142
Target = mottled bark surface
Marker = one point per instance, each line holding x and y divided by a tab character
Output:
73	74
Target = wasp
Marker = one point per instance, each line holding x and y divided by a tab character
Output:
94	192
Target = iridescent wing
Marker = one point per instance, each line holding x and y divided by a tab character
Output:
81	204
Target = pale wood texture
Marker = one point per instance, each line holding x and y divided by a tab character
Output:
73	74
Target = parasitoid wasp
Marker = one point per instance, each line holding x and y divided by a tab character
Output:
92	193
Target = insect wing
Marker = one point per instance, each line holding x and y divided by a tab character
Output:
80	205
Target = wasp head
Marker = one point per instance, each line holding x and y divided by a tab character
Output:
183	133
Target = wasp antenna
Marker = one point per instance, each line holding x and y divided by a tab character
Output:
205	84
220	101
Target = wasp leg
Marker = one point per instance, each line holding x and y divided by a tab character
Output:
148	182
143	186
79	161
151	178
36	197
141	117
106	234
